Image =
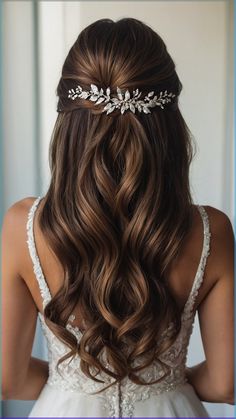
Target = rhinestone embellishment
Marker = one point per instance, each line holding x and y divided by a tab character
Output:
123	101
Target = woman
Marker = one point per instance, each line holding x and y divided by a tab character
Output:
115	258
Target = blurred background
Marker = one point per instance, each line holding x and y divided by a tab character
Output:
35	39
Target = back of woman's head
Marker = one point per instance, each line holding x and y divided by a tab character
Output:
118	206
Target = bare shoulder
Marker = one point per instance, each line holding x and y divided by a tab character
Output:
14	234
216	310
220	223
16	214
222	240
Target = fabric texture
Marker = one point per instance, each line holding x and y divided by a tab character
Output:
69	393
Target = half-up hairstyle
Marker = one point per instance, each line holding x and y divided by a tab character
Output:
119	205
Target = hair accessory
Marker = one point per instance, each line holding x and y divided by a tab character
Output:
122	101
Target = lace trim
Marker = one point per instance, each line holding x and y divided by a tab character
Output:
43	286
119	399
189	305
44	290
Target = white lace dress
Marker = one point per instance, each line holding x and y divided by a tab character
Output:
68	392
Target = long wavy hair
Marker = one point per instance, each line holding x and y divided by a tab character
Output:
118	206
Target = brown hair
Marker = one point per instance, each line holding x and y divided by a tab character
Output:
119	205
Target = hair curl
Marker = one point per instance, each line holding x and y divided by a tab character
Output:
118	205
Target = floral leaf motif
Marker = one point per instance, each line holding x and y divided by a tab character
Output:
84	95
108	105
146	110
127	95
152	103
123	108
115	100
93	98
72	94
100	100
139	107
94	88
122	101
110	109
119	94
132	107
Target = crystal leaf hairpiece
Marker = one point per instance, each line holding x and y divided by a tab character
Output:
123	101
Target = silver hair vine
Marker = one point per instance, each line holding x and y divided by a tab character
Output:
123	101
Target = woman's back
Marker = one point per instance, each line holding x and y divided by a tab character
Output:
190	280
118	256
180	276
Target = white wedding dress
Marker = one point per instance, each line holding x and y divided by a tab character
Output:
67	392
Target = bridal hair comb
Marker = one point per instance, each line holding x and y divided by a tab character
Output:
123	101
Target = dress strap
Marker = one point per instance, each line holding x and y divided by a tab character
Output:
188	308
43	287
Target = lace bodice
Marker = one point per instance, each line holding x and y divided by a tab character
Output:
118	399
